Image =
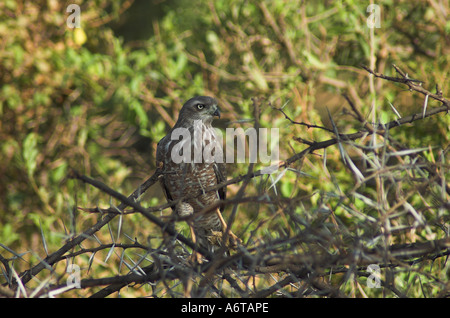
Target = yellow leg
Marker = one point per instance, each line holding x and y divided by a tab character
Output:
195	257
233	238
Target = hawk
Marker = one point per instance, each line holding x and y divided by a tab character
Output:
191	159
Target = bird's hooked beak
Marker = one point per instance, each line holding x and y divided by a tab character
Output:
216	112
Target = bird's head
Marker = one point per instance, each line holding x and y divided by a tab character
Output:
202	108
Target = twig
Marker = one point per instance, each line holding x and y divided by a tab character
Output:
413	84
131	203
55	256
301	123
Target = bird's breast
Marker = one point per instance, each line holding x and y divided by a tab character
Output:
191	180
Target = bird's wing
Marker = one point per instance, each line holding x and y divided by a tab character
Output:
221	175
161	153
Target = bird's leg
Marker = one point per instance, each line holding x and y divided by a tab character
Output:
184	209
233	238
195	257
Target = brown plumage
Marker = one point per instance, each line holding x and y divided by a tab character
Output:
192	161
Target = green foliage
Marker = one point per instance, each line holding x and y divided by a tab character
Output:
89	99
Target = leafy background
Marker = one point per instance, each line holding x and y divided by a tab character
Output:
98	98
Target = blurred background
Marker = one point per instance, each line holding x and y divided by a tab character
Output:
99	97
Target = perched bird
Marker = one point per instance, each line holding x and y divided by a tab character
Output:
191	159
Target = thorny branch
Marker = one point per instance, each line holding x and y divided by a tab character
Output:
305	268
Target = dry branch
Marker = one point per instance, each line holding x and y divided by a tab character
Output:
329	256
55	256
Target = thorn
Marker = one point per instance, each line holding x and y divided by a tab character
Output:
395	110
425	105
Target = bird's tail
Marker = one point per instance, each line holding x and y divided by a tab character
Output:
210	233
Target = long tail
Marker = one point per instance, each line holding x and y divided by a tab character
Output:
210	231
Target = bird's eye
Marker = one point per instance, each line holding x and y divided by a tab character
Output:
200	106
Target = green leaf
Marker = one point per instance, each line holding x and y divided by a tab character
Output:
140	113
30	152
314	61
